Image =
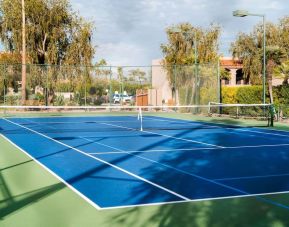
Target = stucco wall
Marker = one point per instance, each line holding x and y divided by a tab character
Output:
160	84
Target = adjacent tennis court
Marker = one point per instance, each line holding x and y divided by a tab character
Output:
109	161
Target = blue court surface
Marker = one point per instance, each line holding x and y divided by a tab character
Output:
111	163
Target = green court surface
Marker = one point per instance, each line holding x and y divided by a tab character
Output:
31	196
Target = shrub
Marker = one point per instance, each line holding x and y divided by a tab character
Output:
229	95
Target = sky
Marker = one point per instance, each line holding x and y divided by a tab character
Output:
130	32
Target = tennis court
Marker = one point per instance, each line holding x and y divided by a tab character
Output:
111	163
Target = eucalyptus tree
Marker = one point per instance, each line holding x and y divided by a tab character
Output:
183	49
275	56
55	34
248	47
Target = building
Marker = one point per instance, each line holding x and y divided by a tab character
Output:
234	67
162	92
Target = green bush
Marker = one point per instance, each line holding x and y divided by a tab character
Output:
229	95
281	95
250	94
244	94
254	94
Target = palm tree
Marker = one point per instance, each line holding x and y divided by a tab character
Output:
282	71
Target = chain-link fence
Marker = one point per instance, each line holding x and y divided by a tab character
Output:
197	84
52	85
71	85
282	112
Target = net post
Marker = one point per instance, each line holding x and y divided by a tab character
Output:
209	108
219	92
271	115
140	118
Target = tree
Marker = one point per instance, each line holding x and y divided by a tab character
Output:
9	75
55	34
284	33
225	74
248	48
179	57
282	71
274	56
180	47
137	75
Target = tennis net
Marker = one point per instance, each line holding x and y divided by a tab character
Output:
149	117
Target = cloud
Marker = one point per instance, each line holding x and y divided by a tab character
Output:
130	31
121	53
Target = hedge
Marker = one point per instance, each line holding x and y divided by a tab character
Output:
254	94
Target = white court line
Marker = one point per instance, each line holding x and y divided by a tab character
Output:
197	200
256	146
73	122
234	147
178	170
184	121
242	128
141	205
168	166
266	133
54	174
102	161
173	137
252	177
191	149
245	194
113	207
157	150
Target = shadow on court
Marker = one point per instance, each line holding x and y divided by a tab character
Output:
245	211
228	212
12	204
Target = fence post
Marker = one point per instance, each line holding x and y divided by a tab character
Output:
47	86
279	113
4	83
175	84
219	93
110	85
85	86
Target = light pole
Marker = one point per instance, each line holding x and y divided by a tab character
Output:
244	13
177	30
23	79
